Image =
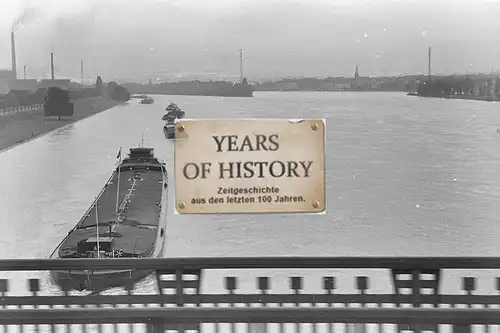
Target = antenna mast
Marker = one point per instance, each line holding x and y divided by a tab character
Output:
241	64
97	231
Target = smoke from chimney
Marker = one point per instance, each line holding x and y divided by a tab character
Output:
13	52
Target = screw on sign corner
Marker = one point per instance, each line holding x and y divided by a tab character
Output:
181	128
314	127
181	205
316	204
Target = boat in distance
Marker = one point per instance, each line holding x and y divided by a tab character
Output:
173	111
169	130
127	220
147	100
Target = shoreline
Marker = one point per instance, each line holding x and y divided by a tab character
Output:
462	97
193	95
24	126
473	98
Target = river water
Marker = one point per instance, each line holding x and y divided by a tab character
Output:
406	176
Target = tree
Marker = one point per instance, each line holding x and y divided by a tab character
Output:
39	95
489	84
10	100
482	90
99	86
22	96
57	103
469	86
117	92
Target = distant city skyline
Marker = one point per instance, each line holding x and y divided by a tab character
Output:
281	38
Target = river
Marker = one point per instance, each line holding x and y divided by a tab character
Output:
406	176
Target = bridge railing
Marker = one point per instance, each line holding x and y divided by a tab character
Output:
255	319
180	298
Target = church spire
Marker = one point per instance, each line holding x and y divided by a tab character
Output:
356	74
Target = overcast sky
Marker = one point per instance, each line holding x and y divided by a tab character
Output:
279	37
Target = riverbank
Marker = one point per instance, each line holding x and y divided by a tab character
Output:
467	97
473	98
20	127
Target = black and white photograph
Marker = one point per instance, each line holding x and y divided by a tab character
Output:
250	166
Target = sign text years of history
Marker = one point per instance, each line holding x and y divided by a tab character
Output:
249	166
247	169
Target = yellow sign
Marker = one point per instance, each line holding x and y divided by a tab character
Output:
250	166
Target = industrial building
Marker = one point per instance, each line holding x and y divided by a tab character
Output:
9	78
5	77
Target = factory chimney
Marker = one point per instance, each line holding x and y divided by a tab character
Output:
429	64
81	72
13	51
52	65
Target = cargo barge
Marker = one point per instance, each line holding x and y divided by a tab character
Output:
127	219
